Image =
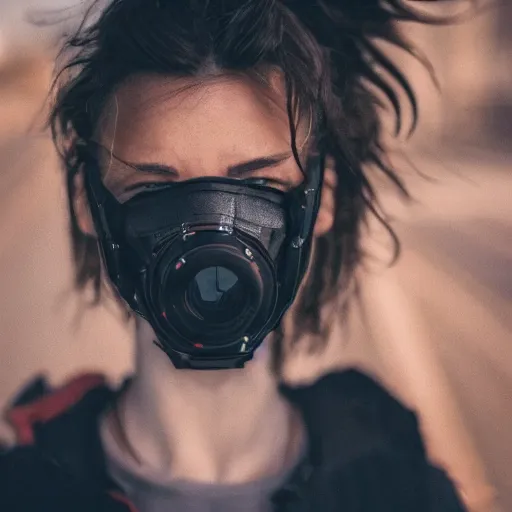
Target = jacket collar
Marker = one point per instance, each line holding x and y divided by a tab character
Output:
348	417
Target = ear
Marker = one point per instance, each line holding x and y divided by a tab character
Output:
325	218
81	206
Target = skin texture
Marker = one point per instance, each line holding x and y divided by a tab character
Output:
223	426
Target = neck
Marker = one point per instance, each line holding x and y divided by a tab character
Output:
225	426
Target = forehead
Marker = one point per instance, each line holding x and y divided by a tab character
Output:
195	123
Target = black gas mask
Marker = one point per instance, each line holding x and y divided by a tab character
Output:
212	264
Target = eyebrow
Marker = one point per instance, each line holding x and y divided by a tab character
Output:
234	171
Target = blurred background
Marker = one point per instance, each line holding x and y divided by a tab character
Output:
435	328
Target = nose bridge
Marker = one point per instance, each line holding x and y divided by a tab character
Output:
204	164
203	171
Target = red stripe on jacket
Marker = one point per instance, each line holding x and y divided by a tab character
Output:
23	418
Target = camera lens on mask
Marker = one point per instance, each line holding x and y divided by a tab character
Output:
214	290
215	295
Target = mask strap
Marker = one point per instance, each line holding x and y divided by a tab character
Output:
313	193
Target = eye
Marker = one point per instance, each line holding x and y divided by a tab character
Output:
257	181
131	191
143	186
267	182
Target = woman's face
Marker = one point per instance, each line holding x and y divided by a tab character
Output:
158	129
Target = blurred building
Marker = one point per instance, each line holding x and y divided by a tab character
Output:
472	62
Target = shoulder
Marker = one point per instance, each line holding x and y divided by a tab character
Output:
58	456
38	405
32	481
442	493
346	387
356	406
369	440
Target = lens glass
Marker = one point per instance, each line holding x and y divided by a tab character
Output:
215	295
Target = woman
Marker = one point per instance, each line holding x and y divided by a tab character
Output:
210	148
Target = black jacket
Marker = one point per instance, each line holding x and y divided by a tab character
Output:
366	453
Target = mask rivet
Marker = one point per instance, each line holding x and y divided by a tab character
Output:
180	263
248	253
298	242
186	235
245	340
226	229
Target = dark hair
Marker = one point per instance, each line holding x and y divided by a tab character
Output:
331	64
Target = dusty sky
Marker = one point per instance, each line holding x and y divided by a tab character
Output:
14	26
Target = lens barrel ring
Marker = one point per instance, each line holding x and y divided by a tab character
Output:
177	264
